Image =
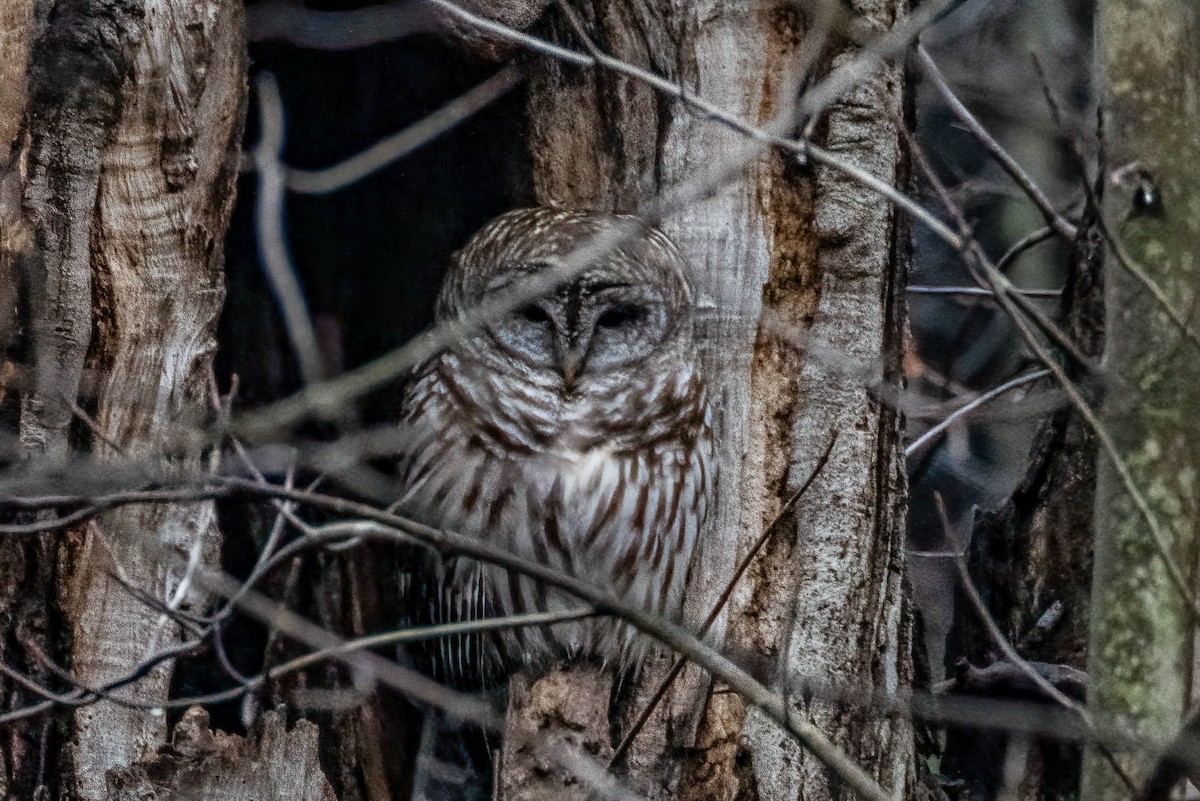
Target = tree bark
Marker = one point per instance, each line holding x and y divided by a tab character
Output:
1142	630
127	128
156	270
132	121
202	765
798	272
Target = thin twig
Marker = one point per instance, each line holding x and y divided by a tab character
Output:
977	261
988	276
345	648
1127	263
398	145
1140	275
396	528
271	237
933	433
328	398
979	714
981	612
1023	244
977	291
94	426
1063	226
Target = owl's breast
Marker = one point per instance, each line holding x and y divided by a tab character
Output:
626	519
631	518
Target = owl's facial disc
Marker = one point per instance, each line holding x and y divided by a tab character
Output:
587	328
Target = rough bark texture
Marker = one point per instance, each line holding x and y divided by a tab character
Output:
276	763
844	620
164	195
1142	631
798	273
572	703
126	117
26	564
74	67
16	30
80	59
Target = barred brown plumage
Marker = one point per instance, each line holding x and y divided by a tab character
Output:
576	431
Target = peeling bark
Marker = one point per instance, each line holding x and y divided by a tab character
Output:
26	564
165	193
839	606
16	31
77	70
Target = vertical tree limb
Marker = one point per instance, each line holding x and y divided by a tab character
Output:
135	120
1141	630
833	606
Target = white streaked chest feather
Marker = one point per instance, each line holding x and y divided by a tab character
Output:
627	520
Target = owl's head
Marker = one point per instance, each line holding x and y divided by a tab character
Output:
628	310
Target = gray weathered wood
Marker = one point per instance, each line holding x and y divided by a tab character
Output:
165	192
131	136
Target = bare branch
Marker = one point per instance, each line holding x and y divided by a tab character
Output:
677	668
328	398
271	238
1060	224
1021	245
1135	270
397	528
346	648
977	261
933	433
989	277
1142	277
399	145
977	291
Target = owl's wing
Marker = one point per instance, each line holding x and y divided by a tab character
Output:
442	590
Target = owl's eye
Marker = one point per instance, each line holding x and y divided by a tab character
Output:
534	314
619	316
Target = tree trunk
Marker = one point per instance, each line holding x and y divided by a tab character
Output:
1142	629
798	272
127	127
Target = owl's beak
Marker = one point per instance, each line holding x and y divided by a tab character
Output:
572	357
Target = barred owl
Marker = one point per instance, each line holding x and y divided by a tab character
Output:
575	432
